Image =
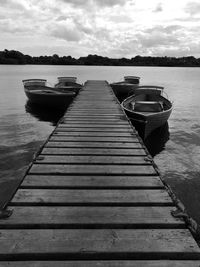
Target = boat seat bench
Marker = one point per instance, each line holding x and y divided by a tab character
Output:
147	106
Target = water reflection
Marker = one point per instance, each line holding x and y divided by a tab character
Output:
186	186
155	142
44	114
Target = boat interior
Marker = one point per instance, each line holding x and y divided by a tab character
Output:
148	102
132	79
34	82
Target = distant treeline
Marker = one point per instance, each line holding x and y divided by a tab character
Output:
16	57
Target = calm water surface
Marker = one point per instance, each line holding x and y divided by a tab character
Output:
176	148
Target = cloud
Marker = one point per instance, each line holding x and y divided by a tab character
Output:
193	8
154	41
100	3
8	26
115	28
160	36
66	33
14	4
120	19
157	39
171	29
158	8
109	3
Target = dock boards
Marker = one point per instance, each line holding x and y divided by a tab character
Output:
93	198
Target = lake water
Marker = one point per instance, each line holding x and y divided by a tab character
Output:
176	148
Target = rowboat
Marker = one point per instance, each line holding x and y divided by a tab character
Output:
149	107
68	83
124	88
59	96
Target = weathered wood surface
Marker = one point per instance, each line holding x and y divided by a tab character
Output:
97	125
94	122
92	151
102	144
92	197
94	134
92	217
93	169
92	160
100	139
95	129
99	263
92	116
94	119
98	243
92	181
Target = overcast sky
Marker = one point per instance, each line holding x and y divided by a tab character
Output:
113	28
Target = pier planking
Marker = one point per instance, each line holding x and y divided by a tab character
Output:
92	197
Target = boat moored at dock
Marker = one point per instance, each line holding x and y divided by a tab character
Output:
68	83
124	88
132	79
59	96
148	106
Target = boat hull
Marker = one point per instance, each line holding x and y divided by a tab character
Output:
148	120
123	89
150	123
72	87
51	99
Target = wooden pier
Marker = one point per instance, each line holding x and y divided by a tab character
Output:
93	197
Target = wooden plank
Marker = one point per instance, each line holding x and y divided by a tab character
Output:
92	116
91	181
93	120
92	169
100	159
97	106
92	151
96	129
96	97
95	134
91	197
111	139
95	123
116	145
108	126
105	112
89	244
97	110
100	263
92	217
